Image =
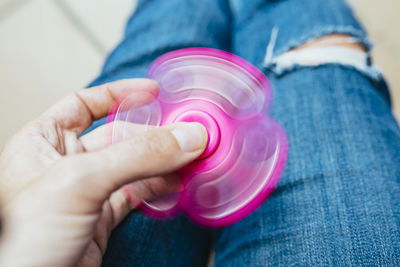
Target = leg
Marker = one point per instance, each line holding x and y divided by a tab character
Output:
338	201
157	27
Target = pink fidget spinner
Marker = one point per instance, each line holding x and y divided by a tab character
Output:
246	151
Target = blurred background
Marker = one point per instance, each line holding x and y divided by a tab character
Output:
50	47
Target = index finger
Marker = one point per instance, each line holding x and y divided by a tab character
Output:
77	111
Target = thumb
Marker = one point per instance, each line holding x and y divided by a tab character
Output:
156	152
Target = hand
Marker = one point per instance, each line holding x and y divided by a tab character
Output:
63	194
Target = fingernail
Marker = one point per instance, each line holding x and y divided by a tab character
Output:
190	136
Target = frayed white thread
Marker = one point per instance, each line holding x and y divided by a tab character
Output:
269	53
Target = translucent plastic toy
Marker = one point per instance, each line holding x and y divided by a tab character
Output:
246	151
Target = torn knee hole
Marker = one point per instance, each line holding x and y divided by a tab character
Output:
333	48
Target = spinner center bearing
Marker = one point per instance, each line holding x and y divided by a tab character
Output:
213	130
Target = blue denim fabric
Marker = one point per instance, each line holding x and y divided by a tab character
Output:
338	203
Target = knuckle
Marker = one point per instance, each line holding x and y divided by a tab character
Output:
151	188
151	191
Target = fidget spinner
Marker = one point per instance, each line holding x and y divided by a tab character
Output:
246	150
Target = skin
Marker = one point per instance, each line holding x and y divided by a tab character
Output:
62	194
339	40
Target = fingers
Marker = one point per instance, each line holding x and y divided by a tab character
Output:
118	207
156	152
77	111
122	201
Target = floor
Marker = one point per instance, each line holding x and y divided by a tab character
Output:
50	47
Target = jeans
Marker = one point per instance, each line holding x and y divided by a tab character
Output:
338	202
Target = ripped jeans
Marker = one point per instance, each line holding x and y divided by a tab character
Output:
338	202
